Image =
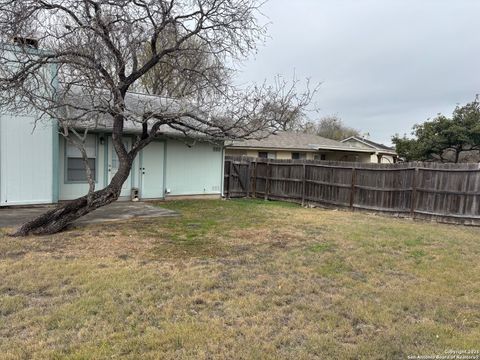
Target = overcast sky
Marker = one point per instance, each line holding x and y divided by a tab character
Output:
384	64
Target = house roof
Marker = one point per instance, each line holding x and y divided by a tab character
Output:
137	104
371	144
289	140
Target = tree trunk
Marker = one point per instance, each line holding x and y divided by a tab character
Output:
58	219
457	155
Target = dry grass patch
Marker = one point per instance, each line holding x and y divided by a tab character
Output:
242	279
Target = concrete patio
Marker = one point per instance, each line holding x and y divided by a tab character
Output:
120	210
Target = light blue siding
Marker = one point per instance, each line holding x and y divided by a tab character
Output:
135	174
27	168
195	170
55	163
111	155
73	190
26	161
28	152
55	145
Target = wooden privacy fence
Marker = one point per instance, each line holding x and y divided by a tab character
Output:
446	192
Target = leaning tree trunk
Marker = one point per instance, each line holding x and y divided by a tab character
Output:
58	219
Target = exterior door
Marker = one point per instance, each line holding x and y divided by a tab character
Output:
113	164
152	171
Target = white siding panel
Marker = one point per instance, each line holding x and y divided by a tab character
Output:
26	161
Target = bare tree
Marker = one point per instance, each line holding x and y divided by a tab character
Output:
331	127
96	49
285	110
194	72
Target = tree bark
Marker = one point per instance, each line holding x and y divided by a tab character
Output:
457	155
58	219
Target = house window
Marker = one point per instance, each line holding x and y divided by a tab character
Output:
75	166
320	157
299	156
266	155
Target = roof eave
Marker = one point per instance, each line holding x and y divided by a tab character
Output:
318	148
108	130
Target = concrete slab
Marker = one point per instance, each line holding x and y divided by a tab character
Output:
120	210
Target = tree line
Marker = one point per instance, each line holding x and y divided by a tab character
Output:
445	139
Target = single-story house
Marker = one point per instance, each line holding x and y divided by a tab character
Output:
38	166
383	154
297	145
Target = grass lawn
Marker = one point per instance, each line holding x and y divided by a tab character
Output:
242	280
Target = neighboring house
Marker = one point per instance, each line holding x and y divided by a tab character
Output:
37	165
383	154
296	145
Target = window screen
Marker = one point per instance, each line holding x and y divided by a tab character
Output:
320	157
299	156
76	169
75	166
266	155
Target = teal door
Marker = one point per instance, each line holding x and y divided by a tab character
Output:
152	171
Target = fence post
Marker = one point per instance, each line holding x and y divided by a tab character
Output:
303	183
254	190
414	192
267	180
230	176
465	196
249	178
226	179
352	191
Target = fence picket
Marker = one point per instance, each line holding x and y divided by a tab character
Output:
446	192
352	190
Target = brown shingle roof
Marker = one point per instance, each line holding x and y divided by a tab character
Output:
292	141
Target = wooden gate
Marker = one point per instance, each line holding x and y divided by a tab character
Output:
238	178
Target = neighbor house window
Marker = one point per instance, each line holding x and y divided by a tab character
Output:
299	156
75	165
266	155
320	157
